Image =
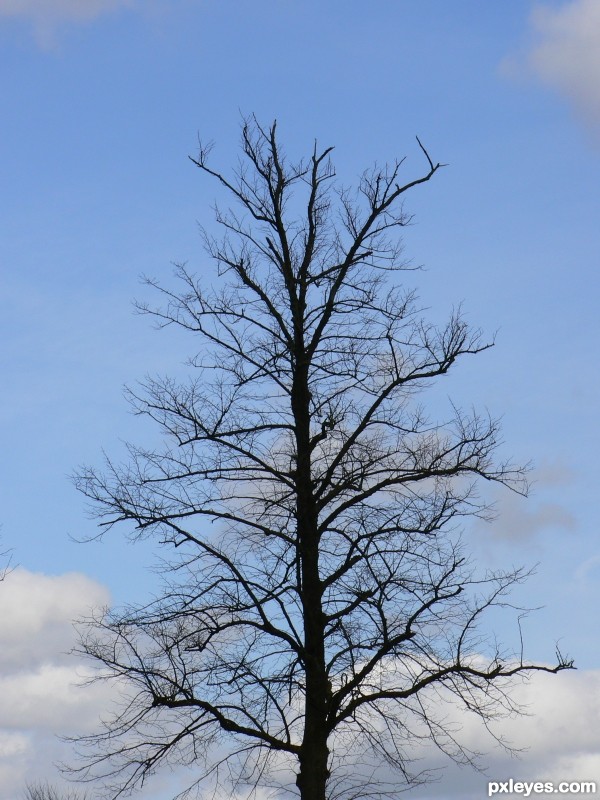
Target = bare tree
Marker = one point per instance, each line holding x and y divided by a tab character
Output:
319	610
45	791
5	568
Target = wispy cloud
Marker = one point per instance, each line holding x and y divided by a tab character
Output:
564	54
47	15
66	9
518	520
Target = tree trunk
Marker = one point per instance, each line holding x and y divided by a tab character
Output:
314	753
313	773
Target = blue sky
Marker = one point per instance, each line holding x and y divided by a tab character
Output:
102	102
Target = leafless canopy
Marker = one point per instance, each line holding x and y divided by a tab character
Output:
319	609
45	791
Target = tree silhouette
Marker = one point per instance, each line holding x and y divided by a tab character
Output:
318	613
45	791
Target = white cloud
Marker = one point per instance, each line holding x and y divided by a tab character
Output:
36	615
41	698
12	745
50	698
565	54
559	739
40	684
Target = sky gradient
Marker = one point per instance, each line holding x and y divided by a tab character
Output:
103	101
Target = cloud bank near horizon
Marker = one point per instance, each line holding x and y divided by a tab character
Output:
39	681
42	698
557	739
